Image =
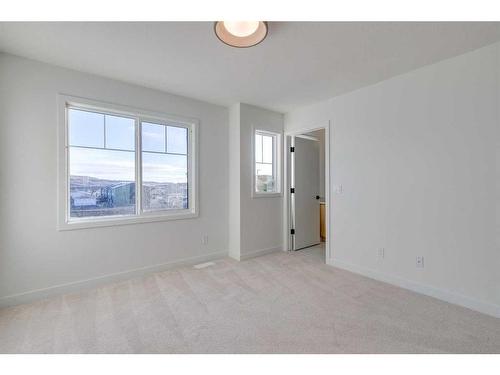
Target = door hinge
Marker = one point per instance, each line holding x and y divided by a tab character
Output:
292	190
292	231
292	149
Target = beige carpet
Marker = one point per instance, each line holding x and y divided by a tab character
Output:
278	303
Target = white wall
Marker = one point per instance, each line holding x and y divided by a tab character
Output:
33	254
261	219
320	135
256	224
234	182
321	145
497	164
416	158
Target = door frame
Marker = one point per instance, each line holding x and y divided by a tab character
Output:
286	179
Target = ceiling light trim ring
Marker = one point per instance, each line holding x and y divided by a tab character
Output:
219	29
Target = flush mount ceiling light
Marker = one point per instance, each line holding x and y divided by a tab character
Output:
241	34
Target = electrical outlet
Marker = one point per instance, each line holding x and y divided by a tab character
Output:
381	253
204	240
420	262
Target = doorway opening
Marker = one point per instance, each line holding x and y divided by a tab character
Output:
307	214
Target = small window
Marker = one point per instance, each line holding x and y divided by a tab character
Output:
124	167
266	166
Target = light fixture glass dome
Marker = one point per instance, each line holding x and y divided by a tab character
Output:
241	34
241	28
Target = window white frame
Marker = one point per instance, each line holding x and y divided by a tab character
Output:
276	164
141	216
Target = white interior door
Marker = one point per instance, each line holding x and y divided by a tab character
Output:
305	196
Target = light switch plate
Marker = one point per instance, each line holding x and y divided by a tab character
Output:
381	253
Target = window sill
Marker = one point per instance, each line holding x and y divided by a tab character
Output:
266	195
124	220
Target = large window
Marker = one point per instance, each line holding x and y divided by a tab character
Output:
266	163
124	166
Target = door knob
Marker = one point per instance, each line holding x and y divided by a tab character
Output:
317	196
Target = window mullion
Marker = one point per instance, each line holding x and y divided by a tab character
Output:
262	148
138	167
274	160
104	135
165	133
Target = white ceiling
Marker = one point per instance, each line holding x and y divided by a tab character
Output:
299	63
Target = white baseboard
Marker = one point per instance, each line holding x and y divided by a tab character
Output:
451	297
258	253
38	294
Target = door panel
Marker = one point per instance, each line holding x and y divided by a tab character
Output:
288	196
306	185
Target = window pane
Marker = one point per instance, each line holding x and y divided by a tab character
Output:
264	179
102	182
267	147
153	137
258	148
85	128
120	133
177	140
164	179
